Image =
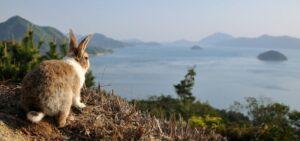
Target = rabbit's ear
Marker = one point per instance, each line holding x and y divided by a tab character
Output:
83	44
73	41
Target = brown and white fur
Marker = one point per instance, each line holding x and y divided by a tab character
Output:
54	85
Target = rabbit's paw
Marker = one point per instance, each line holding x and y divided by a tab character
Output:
80	105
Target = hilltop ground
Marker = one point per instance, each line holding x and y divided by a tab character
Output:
106	117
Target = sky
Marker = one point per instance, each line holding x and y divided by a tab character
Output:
161	20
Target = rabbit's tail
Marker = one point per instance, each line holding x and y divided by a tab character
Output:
34	116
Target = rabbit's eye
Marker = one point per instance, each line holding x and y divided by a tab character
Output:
86	58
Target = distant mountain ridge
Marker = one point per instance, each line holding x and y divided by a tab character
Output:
137	42
182	42
215	38
100	40
222	39
263	41
15	27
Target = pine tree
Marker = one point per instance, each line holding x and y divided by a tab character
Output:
17	58
89	79
184	88
54	53
184	92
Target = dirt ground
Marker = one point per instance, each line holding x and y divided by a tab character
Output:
106	117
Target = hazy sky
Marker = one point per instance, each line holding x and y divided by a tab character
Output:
161	20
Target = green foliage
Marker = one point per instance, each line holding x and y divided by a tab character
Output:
184	92
206	122
294	117
158	105
258	119
184	88
18	58
268	121
234	117
184	106
53	53
89	79
16	26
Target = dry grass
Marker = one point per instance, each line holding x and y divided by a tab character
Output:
106	117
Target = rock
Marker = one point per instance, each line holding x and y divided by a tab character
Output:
272	56
196	47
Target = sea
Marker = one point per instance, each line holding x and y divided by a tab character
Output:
223	74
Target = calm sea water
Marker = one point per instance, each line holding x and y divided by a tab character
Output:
224	74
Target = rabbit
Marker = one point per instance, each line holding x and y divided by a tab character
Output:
54	86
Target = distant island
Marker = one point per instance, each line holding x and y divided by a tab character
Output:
272	56
137	42
98	51
263	41
196	47
215	39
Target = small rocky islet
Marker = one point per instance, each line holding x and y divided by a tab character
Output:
196	47
272	55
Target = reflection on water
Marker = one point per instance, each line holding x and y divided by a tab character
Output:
223	74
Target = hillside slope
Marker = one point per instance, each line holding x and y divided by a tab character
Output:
102	41
106	117
16	26
215	38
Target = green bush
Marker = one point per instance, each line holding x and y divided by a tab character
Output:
183	106
89	79
53	53
267	121
257	119
184	88
207	121
18	58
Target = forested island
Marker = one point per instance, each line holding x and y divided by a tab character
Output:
272	56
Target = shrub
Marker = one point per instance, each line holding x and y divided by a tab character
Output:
18	58
206	122
89	79
258	119
184	88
